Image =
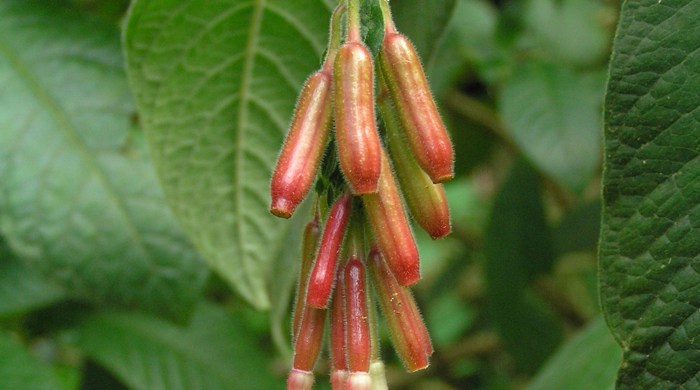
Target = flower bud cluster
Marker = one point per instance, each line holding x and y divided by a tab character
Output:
362	249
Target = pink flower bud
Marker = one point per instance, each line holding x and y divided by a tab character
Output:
391	229
426	201
338	361
355	128
357	332
303	148
309	339
320	283
409	88
408	332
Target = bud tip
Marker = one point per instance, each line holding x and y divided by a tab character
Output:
300	380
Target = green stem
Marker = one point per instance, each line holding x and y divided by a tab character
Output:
389	25
335	36
354	21
356	233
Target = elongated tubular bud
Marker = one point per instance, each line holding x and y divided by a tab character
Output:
309	339
426	201
303	148
339	368
318	290
356	134
409	88
312	232
357	332
391	229
408	332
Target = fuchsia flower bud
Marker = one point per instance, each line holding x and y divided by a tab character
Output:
391	230
303	148
339	367
408	332
426	201
355	128
318	290
357	331
404	75
307	346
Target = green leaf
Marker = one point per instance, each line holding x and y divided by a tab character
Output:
213	352
424	21
553	115
20	370
579	229
22	288
216	83
79	201
518	247
575	31
650	238
589	360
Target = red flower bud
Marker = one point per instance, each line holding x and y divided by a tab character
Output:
426	201
408	332
358	338
355	128
426	133
391	230
338	361
308	248
321	278
309	339
303	148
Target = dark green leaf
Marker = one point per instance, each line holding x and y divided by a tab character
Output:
78	198
423	21
650	240
575	31
553	115
579	229
518	247
215	83
213	352
22	288
19	370
588	361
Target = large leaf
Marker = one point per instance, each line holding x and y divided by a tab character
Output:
519	247
553	114
588	361
213	352
575	31
650	241
423	21
20	370
216	84
79	201
21	287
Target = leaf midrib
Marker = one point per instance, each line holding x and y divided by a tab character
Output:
62	120
244	96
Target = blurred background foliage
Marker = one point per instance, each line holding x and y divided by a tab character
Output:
510	297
